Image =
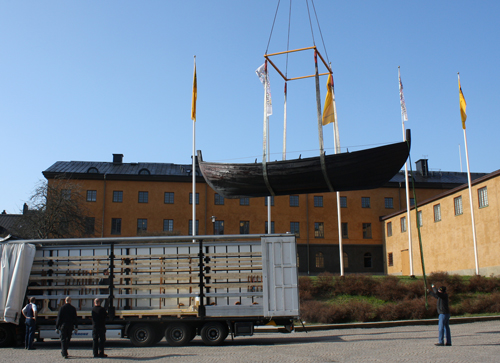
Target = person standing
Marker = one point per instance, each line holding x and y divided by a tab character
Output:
30	313
99	316
444	314
65	323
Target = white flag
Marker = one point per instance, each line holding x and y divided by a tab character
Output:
402	99
264	78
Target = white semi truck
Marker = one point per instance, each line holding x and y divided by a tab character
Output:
153	287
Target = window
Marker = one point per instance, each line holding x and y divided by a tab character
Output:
343	202
483	197
412	202
365	202
294	228
92	170
318	201
389	229
294	200
219	227
244	201
272	201
437	212
367	230
168	198
403	224
190	228
320	260
197	198
144	171
272	227
390	259
66	194
117	196
142	226
346	260
244	227
368	260
143	197
91	195
419	219
345	231
168	225
389	203
116	226
319	230
458	206
89	225
219	199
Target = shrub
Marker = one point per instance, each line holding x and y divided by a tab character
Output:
483	284
359	285
482	304
361	311
325	284
390	289
404	310
306	288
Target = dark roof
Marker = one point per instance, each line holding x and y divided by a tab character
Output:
435	179
121	171
474	181
9	223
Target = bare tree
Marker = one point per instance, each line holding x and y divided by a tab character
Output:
57	210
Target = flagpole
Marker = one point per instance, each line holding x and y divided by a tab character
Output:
336	144
193	172
463	113
408	206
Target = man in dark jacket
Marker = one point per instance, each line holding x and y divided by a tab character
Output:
65	323
444	314
99	315
30	313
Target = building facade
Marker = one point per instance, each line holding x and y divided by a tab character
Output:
446	232
131	199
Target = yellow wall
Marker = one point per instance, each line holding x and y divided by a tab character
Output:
448	244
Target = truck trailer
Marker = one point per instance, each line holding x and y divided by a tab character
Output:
175	287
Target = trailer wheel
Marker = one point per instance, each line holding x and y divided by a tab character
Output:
6	336
178	334
142	335
214	333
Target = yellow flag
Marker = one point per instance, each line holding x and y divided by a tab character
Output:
463	104
328	114
195	95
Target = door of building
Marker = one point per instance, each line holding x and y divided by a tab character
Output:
405	263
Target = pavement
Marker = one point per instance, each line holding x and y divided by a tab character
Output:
473	341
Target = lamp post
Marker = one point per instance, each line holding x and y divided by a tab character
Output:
213	222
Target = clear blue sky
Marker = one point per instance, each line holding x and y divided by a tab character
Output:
81	80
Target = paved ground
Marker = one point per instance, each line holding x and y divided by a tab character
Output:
472	342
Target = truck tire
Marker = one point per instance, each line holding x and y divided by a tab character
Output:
143	335
178	334
214	333
6	336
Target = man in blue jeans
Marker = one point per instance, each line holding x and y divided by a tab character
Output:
30	313
444	314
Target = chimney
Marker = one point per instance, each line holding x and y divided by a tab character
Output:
117	158
422	167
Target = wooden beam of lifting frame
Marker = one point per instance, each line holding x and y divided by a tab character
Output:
292	51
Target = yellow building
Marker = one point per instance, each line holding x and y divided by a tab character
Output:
446	232
130	199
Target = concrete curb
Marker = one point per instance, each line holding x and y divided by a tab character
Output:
378	324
